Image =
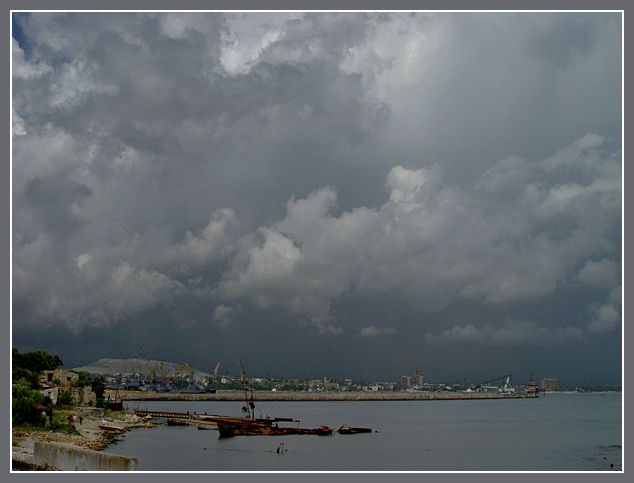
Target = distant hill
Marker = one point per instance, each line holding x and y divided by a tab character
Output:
135	365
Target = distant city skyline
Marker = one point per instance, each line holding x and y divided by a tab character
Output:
137	364
354	194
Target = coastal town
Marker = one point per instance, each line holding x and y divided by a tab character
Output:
88	407
139	375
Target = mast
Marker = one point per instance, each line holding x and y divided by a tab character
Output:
249	407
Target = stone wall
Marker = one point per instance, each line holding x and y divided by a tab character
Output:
68	458
84	395
66	378
67	383
51	392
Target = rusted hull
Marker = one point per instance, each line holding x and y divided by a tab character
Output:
200	424
248	421
227	430
177	422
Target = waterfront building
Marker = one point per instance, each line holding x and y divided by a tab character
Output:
62	380
316	385
406	381
386	386
550	384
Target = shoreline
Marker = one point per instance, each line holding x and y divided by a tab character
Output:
90	437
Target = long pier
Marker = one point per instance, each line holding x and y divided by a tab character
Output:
162	414
172	415
203	421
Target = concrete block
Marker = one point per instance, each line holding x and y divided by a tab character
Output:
68	458
25	458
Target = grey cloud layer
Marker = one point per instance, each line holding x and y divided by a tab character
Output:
432	243
288	161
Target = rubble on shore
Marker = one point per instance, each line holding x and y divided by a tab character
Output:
90	436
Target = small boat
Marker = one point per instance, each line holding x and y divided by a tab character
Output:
111	428
345	429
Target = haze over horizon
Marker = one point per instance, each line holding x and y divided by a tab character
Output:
321	194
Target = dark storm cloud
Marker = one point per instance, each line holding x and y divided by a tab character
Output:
52	200
217	172
431	243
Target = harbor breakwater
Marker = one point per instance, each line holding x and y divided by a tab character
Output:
312	396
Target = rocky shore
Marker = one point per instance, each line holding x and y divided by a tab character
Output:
90	436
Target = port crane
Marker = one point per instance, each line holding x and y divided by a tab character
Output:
183	375
151	372
214	377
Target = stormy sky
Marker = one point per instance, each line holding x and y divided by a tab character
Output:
321	194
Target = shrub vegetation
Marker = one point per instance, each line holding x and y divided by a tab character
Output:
25	394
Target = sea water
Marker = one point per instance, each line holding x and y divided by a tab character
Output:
555	432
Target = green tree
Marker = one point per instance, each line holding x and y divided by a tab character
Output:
27	365
36	361
20	373
98	387
84	379
24	389
23	400
64	398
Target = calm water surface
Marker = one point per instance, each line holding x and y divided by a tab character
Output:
556	432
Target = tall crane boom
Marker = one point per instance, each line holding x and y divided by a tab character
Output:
215	373
249	408
217	369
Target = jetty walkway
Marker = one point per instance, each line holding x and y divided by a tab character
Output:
162	414
203	421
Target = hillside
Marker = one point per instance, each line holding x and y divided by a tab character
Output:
135	365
